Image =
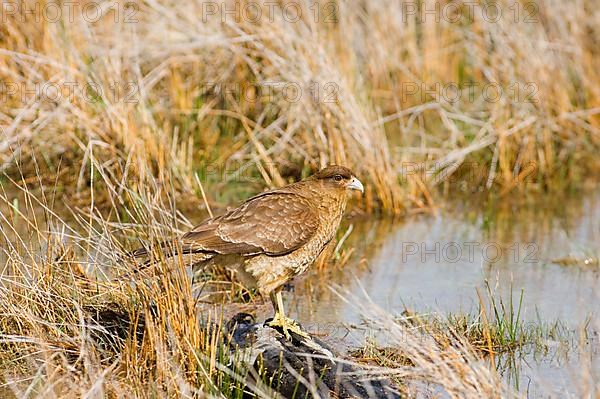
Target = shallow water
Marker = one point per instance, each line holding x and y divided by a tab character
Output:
437	264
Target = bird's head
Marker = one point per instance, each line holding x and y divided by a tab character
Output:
338	177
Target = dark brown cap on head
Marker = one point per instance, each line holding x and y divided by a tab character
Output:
333	170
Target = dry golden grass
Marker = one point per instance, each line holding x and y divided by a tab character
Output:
177	91
76	322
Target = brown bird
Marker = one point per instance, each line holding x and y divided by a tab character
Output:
273	236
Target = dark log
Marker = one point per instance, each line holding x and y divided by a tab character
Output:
301	368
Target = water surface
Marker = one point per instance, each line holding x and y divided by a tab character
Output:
546	247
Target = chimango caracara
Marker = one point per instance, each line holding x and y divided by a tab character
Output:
273	236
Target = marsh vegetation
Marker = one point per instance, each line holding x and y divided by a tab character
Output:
132	124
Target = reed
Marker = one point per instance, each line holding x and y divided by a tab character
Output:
407	99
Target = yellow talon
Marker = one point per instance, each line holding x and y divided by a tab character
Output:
279	320
287	325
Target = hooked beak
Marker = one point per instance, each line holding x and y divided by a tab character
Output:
355	184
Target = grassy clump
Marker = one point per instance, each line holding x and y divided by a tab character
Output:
496	329
176	93
76	321
459	343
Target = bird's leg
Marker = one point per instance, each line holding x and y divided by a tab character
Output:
279	320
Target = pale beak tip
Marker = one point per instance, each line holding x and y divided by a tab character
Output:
355	184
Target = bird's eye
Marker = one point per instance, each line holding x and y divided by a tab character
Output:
337	178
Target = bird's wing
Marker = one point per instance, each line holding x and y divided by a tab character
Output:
273	223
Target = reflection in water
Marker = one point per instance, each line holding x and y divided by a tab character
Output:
436	264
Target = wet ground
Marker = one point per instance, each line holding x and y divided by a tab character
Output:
547	247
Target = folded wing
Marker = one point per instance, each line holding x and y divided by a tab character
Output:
273	223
